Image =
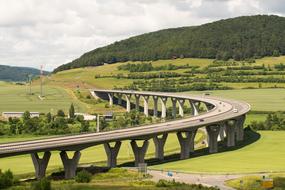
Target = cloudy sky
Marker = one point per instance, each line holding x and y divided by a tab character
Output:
54	32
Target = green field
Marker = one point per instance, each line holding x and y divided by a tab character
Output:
16	98
259	99
265	155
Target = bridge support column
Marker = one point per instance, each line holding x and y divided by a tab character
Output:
159	146
174	101
194	109
137	96
230	132
139	152
112	153
70	165
111	95
40	164
119	99
239	128
163	106
187	143
128	99
222	132
181	104
155	101
213	133
145	100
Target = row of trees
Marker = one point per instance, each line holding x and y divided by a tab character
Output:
169	85
144	67
274	122
46	124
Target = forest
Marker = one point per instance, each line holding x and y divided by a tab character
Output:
237	38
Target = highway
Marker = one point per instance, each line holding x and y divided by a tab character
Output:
223	110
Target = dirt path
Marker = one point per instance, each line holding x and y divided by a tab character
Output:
204	179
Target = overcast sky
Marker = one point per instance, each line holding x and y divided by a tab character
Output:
54	32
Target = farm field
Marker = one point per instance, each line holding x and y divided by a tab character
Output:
259	99
15	98
107	76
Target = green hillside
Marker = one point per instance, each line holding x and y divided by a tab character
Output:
8	73
238	38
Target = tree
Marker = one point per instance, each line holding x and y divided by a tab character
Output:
276	53
103	123
26	116
6	179
85	125
60	113
49	117
71	111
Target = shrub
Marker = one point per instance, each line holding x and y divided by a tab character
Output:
178	185
279	182
6	179
43	184
83	177
60	113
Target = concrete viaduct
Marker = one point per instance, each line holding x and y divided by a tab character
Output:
223	118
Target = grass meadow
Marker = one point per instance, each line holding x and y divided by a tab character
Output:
265	155
16	98
259	99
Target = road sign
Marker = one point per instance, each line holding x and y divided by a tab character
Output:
267	183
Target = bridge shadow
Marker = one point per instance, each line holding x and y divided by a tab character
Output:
250	137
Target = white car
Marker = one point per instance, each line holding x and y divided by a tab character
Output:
235	110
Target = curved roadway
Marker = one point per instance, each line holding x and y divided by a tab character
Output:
223	109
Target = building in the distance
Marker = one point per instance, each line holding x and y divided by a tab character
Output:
87	117
7	115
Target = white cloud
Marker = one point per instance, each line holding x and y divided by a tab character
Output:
54	32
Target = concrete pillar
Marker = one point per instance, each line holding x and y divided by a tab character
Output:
70	165
137	96
128	99
174	101
139	152
145	100
213	132
222	132
159	146
155	101
110	95
163	106
194	109
181	104
239	128
112	153
119	98
230	132
187	143
40	164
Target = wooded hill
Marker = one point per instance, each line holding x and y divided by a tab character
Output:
8	73
238	38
